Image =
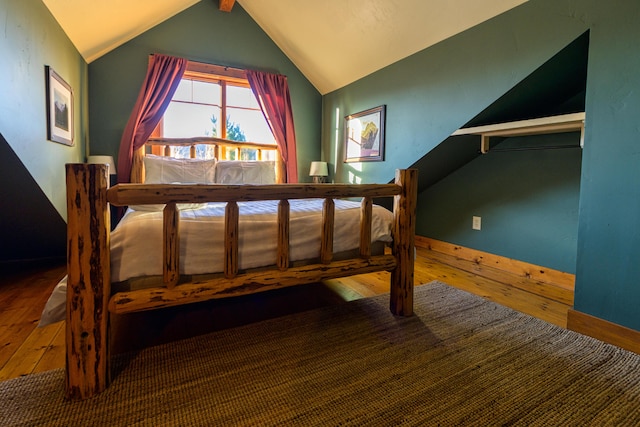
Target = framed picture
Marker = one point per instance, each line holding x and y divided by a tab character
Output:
59	108
364	136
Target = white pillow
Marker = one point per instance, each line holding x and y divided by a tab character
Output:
160	207
167	170
239	172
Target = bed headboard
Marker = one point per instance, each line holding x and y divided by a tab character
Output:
221	148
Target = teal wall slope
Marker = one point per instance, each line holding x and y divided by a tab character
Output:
32	39
432	93
31	230
32	188
527	201
436	91
608	264
200	33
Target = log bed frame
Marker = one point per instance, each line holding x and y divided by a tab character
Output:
89	297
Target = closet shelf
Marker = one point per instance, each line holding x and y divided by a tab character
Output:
573	122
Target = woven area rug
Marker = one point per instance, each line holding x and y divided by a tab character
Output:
460	360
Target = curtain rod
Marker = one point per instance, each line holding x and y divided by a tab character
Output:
226	67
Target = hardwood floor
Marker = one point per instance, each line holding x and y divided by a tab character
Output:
25	348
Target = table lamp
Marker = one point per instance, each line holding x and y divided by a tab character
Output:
319	171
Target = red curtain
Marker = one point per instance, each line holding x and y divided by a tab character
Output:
163	76
272	92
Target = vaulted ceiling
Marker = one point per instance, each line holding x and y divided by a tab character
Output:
332	42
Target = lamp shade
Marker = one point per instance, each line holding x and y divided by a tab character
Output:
108	160
318	169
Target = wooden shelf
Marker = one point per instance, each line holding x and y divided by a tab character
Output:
573	122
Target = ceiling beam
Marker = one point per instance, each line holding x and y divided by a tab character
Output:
226	5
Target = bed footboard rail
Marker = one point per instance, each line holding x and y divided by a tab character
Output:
404	191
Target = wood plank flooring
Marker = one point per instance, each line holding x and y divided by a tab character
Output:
23	346
26	349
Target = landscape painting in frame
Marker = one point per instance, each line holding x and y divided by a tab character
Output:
364	136
59	108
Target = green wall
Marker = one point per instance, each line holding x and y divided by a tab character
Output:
527	200
31	39
608	231
432	93
32	177
200	33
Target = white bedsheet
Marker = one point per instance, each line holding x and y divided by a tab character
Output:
136	243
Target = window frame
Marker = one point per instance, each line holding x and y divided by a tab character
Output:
224	76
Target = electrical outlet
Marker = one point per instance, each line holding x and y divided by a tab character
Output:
476	223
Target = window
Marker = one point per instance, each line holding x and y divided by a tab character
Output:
213	101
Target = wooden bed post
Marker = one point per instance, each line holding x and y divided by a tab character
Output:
281	172
89	281
404	212
137	165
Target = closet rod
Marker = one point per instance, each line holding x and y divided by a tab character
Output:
547	147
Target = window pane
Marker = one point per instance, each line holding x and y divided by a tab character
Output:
238	96
196	110
203	151
206	93
183	93
249	123
180	152
230	155
268	154
248	154
189	120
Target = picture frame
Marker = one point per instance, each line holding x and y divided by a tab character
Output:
59	108
364	135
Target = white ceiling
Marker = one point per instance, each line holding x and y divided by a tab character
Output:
333	42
